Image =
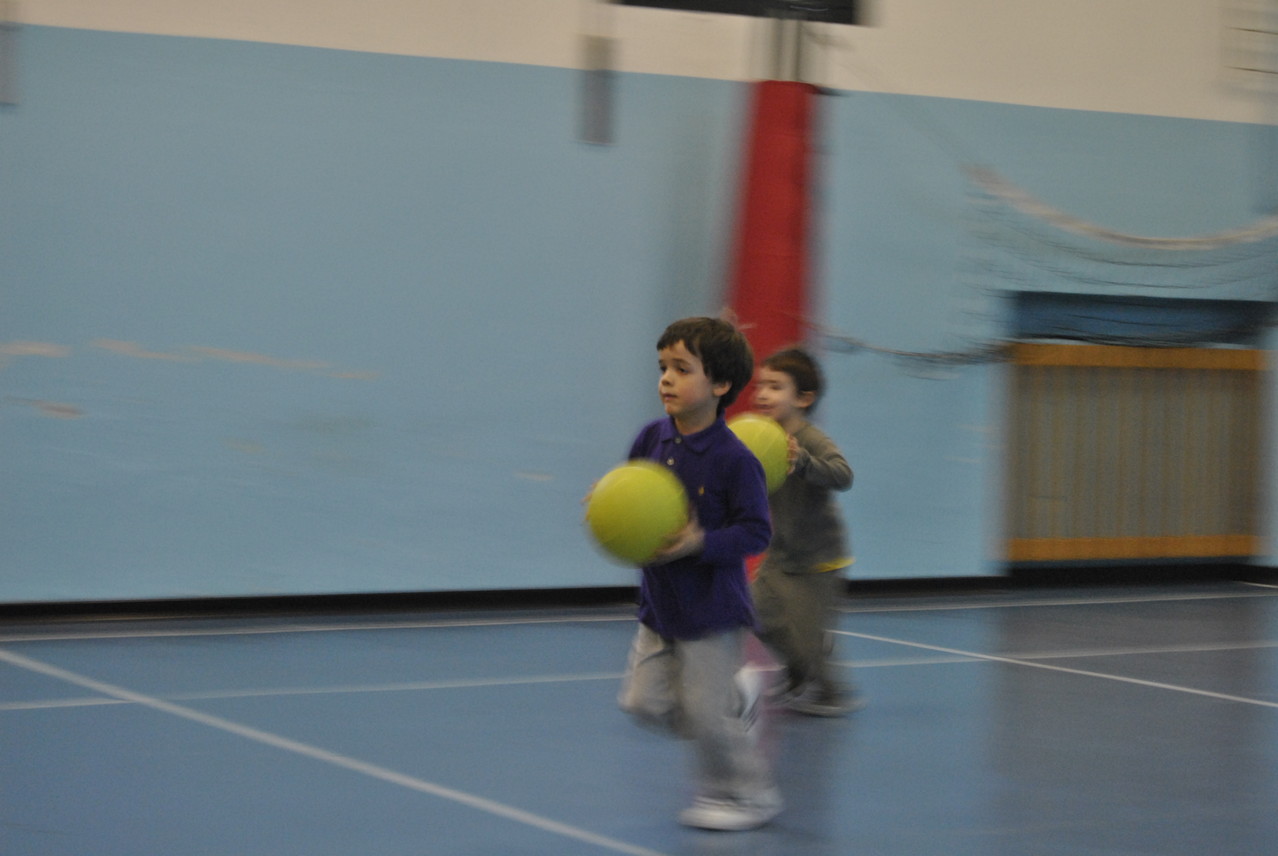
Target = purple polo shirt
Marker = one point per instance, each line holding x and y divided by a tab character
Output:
700	595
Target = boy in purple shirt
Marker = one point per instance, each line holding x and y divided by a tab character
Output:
685	673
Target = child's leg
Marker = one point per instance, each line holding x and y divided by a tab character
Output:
772	612
649	692
792	622
729	763
826	588
826	695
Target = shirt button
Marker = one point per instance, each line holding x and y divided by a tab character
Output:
669	462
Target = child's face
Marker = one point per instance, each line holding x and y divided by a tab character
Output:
687	392
776	395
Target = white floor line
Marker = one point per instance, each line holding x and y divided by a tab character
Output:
887	663
415	686
858	607
275	629
1075	654
1199	648
1080	654
323	755
272	692
425	686
56	704
1063	669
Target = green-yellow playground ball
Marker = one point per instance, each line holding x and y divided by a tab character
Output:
767	439
634	509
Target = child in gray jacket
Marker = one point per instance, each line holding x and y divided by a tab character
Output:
799	582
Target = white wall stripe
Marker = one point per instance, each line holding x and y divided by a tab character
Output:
1139	56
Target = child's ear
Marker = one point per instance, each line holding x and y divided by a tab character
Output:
720	388
805	399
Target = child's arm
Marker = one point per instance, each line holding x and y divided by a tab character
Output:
819	462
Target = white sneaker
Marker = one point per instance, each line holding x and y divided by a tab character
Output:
733	815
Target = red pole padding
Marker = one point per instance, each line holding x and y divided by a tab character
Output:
768	288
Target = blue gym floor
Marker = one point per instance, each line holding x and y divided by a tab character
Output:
1137	720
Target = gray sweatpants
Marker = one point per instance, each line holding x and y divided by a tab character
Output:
688	688
796	615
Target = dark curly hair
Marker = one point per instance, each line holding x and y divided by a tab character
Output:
722	348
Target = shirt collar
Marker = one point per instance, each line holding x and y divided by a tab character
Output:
697	442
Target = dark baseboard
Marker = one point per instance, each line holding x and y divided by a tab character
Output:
1080	574
384	602
1018	578
1144	573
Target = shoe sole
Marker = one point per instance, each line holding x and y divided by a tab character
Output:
731	819
721	824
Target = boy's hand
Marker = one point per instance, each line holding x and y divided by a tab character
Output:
792	453
688	541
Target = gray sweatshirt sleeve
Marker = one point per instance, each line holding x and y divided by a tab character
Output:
820	462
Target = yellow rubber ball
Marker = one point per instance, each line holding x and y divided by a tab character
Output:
767	439
634	509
